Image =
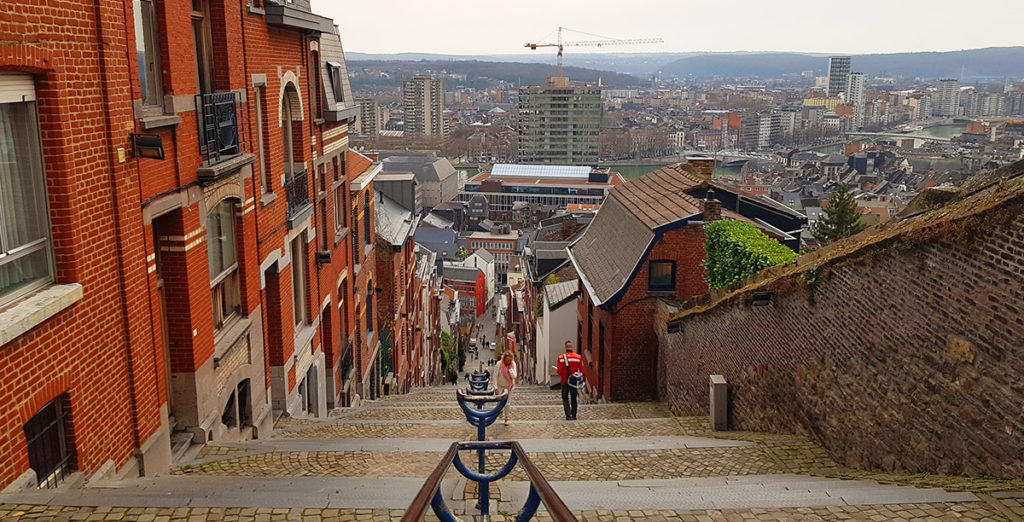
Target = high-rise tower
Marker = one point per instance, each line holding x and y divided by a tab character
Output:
423	102
838	70
559	123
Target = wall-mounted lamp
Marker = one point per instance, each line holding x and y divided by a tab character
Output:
763	299
147	146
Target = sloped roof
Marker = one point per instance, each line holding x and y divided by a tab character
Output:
395	223
460	273
437	221
660	197
609	252
427	168
560	293
483	254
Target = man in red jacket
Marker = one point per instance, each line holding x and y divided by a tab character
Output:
570	369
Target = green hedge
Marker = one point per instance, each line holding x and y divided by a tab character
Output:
737	250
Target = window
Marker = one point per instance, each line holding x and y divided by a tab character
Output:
299	278
147	48
221	249
26	258
590	326
336	85
317	87
662	276
288	112
366	217
202	42
339	209
229	417
343	316
260	103
369	312
355	236
50	441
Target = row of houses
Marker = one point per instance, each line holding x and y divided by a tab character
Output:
188	248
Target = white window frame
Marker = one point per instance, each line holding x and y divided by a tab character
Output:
226	286
147	34
299	277
338	88
17	88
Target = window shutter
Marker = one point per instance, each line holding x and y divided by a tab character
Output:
16	88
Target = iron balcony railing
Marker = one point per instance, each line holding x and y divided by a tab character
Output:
219	118
296	188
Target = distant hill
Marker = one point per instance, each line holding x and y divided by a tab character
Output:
988	62
478	73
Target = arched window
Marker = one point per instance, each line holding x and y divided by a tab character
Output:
290	113
222	251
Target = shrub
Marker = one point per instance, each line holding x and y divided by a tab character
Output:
737	250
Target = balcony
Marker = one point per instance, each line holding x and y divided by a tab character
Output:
219	125
296	189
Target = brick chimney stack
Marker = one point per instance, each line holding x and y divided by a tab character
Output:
711	207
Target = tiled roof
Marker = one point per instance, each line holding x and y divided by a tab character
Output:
660	197
617	240
559	293
610	249
460	274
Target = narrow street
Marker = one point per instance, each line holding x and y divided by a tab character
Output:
619	461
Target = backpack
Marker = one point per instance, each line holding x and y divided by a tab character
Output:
574	379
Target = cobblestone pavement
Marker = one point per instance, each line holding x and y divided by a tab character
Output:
516	430
605	466
969	511
520	412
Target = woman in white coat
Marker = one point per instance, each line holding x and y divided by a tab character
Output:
506	380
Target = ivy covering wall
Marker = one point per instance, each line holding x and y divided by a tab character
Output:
737	250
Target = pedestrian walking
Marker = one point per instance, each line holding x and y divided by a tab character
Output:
570	369
507	373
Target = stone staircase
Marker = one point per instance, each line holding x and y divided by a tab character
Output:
618	461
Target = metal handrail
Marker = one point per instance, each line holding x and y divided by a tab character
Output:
540	490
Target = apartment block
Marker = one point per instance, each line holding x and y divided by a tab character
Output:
370	121
423	103
559	123
838	72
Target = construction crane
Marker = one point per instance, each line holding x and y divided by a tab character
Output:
589	43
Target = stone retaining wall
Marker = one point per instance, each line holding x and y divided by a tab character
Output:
904	358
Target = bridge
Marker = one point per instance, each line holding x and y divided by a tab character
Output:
902	135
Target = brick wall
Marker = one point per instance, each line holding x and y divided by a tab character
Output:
909	357
98	351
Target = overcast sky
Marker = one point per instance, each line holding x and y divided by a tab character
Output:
501	27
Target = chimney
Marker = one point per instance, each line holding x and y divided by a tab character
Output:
711	207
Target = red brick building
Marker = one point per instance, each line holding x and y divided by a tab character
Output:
367	377
397	299
472	287
645	244
192	294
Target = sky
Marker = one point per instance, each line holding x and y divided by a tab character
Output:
490	27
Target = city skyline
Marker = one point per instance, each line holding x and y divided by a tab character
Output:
748	27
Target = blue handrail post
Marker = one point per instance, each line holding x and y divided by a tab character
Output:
482	419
